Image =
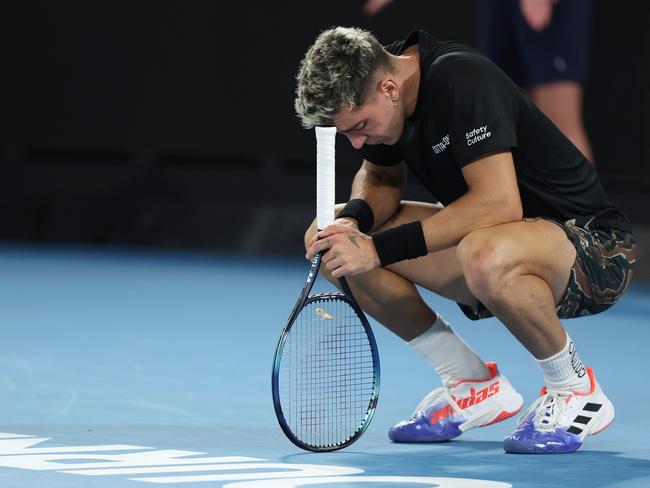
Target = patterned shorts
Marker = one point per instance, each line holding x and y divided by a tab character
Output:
600	275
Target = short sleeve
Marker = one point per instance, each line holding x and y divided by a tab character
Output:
477	103
382	154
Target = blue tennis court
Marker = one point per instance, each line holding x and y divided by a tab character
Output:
127	368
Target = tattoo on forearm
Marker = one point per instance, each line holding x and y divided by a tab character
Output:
353	238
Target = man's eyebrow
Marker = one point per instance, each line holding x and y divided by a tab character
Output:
350	129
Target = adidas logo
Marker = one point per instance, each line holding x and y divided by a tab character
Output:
440	414
580	422
474	398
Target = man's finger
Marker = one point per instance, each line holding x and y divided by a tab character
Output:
334	263
325	244
314	249
339	272
332	230
328	256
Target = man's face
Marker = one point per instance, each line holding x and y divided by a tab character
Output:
375	121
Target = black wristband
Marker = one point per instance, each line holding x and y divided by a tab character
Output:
400	243
360	211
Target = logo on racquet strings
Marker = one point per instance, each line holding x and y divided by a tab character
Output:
323	314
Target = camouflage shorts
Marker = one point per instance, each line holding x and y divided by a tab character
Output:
600	274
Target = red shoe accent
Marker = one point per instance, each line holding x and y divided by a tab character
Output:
592	380
493	372
502	416
600	430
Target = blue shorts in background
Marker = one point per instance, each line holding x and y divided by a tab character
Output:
559	52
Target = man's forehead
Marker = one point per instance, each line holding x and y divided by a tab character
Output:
347	119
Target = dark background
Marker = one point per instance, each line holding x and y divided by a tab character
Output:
171	123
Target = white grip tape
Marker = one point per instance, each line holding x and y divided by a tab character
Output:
325	176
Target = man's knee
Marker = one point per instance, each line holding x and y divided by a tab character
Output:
486	259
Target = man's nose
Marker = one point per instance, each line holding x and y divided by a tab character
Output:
358	140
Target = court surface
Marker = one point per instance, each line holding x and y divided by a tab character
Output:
135	368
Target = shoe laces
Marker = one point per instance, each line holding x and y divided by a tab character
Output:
441	393
549	410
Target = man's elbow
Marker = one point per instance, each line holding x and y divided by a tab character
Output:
513	211
506	209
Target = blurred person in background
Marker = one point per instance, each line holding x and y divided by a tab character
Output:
543	45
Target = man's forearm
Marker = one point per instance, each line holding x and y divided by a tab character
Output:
469	213
492	198
381	189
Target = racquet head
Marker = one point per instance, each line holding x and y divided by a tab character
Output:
326	374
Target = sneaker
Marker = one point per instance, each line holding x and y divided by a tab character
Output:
558	422
449	411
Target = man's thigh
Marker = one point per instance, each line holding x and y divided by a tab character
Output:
531	246
536	247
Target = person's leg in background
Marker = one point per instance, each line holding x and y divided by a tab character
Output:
561	101
548	58
497	36
556	60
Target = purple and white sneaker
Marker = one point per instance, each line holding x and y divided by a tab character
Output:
449	411
558	422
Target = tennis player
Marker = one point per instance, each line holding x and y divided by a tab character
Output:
521	228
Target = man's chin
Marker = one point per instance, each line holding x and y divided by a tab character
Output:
385	141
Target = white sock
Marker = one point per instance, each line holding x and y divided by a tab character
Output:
564	371
448	354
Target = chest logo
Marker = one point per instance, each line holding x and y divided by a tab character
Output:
442	145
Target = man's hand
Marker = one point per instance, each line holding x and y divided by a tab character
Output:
348	223
371	7
347	252
537	13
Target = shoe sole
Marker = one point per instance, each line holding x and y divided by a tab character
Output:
518	448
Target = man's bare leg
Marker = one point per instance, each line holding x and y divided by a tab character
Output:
390	296
520	272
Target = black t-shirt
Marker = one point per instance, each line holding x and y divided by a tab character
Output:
467	107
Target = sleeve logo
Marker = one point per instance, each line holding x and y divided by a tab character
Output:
477	135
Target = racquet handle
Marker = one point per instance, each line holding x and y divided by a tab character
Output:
325	176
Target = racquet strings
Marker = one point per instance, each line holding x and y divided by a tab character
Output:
326	375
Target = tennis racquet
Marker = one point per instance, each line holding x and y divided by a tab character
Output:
325	379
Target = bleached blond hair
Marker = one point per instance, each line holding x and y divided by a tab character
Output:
336	71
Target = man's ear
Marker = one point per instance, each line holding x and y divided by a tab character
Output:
388	87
